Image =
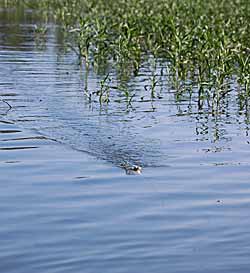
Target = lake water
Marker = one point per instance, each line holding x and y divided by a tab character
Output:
68	206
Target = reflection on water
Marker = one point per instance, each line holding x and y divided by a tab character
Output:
69	210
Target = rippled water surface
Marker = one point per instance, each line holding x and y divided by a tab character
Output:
68	206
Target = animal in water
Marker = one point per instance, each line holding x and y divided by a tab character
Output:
132	169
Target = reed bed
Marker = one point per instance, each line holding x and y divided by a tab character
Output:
205	44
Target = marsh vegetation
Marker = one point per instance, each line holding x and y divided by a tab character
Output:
200	47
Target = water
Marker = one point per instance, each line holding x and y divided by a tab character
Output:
68	206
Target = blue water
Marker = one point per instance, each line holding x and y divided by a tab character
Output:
68	206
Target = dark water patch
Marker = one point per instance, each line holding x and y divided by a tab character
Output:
17	148
8	94
12	162
6	122
23	138
9	131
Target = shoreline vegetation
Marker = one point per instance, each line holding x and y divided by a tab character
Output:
204	45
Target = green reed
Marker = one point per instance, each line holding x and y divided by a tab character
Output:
203	42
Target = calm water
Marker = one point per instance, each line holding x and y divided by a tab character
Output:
67	206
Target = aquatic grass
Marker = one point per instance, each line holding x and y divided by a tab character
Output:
205	44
